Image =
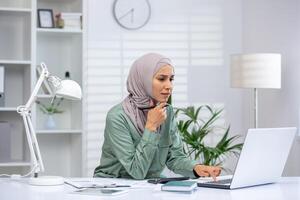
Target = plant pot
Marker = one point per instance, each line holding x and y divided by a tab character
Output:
50	122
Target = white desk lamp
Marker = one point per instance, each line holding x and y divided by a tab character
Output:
259	70
62	88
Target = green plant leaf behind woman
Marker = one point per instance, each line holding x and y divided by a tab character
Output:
195	129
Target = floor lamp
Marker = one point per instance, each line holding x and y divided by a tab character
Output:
258	70
62	88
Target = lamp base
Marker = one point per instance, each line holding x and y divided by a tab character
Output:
46	180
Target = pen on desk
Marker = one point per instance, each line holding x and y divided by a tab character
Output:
114	186
108	186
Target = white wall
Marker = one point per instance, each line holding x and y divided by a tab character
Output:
274	26
206	84
248	26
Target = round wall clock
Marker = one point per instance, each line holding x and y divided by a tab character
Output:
132	14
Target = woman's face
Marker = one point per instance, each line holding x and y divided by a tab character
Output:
162	84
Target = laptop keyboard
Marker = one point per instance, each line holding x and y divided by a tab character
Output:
224	181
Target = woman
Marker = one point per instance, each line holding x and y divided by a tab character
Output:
140	135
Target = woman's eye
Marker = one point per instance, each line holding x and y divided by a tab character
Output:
171	79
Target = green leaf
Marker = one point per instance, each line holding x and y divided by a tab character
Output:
194	130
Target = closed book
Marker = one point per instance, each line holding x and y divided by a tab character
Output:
179	186
71	15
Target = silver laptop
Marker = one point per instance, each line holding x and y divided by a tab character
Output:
262	159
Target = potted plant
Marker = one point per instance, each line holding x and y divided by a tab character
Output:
50	110
194	130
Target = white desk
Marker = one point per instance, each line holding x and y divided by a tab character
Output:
287	188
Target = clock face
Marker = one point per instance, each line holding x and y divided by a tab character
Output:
132	14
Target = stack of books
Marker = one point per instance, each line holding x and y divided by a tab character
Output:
72	21
179	186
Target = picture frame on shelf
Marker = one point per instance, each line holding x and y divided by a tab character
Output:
45	18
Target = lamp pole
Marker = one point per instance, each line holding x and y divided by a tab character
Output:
255	108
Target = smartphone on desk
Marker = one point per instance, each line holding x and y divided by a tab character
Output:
165	180
99	191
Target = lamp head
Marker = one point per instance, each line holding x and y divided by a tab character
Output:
258	70
68	89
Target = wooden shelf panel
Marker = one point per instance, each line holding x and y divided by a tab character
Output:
58	31
12	109
14	164
61	131
12	9
14	62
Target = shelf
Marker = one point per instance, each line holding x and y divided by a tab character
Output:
11	9
14	109
58	31
49	96
14	164
46	96
62	131
15	62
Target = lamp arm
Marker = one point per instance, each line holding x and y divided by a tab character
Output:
44	74
24	111
33	145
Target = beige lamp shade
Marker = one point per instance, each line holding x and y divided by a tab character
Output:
259	70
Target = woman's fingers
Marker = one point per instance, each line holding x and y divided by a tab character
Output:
217	171
203	170
212	174
161	105
156	116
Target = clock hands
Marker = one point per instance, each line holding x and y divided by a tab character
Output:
131	11
132	15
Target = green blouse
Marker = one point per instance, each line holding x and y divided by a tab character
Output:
127	154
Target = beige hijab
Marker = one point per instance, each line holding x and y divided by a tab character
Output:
139	86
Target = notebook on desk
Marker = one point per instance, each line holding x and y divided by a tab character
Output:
261	161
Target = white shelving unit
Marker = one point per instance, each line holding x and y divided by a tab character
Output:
15	9
58	31
59	131
15	56
15	164
23	47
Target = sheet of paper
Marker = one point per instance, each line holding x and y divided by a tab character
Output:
101	182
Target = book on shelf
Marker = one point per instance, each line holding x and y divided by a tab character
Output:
2	86
5	141
179	186
72	21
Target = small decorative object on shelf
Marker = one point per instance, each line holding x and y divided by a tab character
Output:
67	75
50	110
45	18
59	22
